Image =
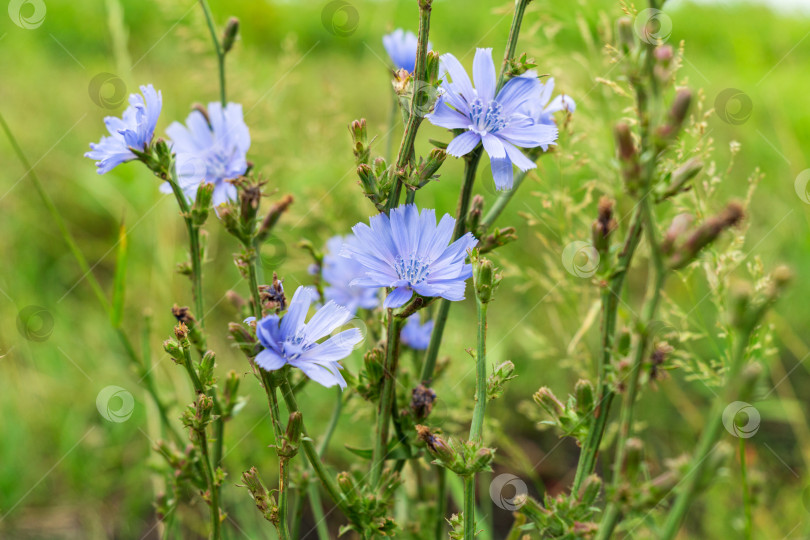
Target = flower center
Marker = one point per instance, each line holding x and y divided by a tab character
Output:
295	345
413	270
486	120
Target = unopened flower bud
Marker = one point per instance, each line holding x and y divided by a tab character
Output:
422	398
474	216
181	332
230	33
677	114
483	458
367	180
434	160
583	391
432	67
590	490
347	486
548	401
663	53
625	34
707	233
603	226
680	177
243	339
624	142
293	432
174	350
437	447
272	217
485	279
633	458
360	146
207	368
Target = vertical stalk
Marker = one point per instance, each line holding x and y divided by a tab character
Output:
432	353
477	425
387	395
469	507
283	468
212	486
514	32
746	494
414	119
441	502
218	48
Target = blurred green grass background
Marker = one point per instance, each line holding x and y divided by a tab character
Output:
68	473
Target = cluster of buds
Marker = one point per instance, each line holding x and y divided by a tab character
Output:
416	94
202	204
676	117
519	65
628	157
198	415
574	416
360	145
501	374
462	458
369	507
369	379
563	515
376	182
272	296
181	462
747	308
183	315
422	399
264	500
178	348
684	252
244	338
679	179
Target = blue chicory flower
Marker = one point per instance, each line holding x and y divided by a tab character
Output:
401	48
410	253
135	129
499	122
415	334
290	340
540	110
339	272
211	150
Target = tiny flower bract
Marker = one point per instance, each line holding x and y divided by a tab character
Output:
499	122
410	253
135	129
339	272
291	340
212	149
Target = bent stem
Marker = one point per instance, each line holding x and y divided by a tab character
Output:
387	395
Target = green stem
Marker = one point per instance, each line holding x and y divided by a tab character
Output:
432	353
504	197
469	507
477	425
746	494
610	304
441	503
387	395
707	442
414	119
329	483
514	32
213	489
218	48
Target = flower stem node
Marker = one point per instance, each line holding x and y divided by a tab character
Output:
264	500
498	378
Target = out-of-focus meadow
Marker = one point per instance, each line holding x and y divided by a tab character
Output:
66	472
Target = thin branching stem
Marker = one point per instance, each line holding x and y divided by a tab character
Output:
218	48
387	394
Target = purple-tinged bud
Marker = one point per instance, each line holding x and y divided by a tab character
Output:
360	146
243	339
422	398
548	401
437	447
680	224
272	217
181	332
230	33
603	226
367	181
707	233
624	142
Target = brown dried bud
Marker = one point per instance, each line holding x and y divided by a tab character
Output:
272	217
422	399
708	233
604	225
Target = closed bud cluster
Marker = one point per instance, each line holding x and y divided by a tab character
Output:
173	349
229	217
500	375
207	369
348	486
264	500
230	393
184	315
244	339
437	447
272	217
663	63
202	203
679	180
485	279
432	67
250	197
359	133
498	238
625	35
603	226
230	34
706	234
474	215
583	392
548	401
677	115
292	435
428	168
181	333
520	65
272	296
628	156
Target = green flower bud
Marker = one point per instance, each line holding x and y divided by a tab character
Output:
207	368
174	350
585	400
230	33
